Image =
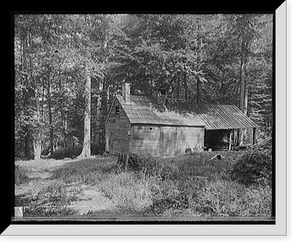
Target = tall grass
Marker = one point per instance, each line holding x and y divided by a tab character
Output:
231	199
88	171
128	191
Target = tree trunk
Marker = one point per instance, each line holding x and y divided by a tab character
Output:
198	90
37	147
104	111
25	100
37	137
86	150
27	143
185	86
101	112
242	77
244	131
96	140
242	85
50	117
199	59
246	101
61	108
178	85
27	127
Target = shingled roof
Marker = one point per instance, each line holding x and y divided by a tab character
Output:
144	110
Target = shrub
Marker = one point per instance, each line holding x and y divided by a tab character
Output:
253	167
147	165
69	152
97	149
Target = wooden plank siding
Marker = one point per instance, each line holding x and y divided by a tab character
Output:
165	140
117	130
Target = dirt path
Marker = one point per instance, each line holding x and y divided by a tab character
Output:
92	201
86	198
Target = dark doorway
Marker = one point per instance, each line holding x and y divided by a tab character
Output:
216	139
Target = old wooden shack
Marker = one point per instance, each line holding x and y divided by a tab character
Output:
152	125
162	126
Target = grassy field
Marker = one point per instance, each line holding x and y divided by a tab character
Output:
192	185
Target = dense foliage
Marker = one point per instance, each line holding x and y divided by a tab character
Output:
69	67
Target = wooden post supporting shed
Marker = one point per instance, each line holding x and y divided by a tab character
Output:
230	139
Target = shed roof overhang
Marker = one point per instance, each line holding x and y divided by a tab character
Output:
224	117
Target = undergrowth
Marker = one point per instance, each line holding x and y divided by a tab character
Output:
21	176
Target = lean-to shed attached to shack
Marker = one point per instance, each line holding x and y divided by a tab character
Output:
152	125
224	121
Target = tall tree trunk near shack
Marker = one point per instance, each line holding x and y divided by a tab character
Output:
37	147
27	92
102	99
198	90
50	117
185	86
27	135
37	136
199	59
104	111
242	77
86	150
27	143
96	138
242	82
178	86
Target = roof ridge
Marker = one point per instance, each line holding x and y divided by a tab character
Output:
144	109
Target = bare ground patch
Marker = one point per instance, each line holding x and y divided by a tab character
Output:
59	185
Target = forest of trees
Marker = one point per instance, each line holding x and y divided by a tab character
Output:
69	67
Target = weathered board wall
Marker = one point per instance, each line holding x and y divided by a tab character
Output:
117	131
165	140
